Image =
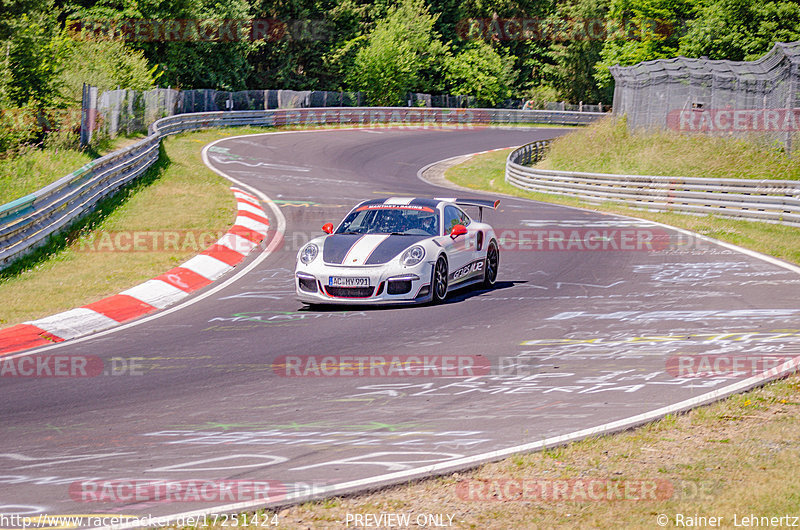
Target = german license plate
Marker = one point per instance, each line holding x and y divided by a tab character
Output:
343	281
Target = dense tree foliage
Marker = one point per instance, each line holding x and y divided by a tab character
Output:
642	30
480	71
401	54
740	30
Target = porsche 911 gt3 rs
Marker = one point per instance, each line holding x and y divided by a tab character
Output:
398	250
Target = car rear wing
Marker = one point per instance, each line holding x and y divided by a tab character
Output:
480	203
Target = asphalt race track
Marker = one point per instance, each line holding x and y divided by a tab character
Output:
573	338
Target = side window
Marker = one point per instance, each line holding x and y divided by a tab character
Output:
452	217
464	218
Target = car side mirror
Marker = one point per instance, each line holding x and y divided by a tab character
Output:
327	228
458	230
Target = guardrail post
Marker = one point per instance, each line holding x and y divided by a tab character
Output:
88	113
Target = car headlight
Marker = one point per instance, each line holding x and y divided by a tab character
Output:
412	256
309	253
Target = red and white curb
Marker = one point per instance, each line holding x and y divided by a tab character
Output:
248	231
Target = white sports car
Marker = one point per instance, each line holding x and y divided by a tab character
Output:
398	250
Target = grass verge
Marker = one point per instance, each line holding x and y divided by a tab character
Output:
487	172
607	147
177	194
33	168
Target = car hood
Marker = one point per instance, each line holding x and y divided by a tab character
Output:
367	249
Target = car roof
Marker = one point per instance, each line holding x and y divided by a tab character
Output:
402	201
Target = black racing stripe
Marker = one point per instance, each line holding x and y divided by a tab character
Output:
391	247
336	247
430	203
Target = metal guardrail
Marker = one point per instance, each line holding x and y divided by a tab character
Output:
28	222
776	201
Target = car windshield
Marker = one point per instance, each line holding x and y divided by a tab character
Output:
387	219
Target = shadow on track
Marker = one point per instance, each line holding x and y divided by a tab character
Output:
453	297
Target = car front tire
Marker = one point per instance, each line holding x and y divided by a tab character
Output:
439	281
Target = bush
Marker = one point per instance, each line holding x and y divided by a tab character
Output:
403	54
481	72
106	64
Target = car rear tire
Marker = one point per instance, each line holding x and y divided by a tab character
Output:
439	281
492	264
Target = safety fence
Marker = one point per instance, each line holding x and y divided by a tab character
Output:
130	111
28	222
775	201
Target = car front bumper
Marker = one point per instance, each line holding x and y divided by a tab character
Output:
387	285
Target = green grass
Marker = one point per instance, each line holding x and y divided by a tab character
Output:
32	168
607	147
36	168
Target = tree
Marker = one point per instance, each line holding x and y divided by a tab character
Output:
403	53
317	50
499	23
106	64
740	30
642	30
478	70
572	74
34	58
185	58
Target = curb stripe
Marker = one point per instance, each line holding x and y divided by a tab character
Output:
156	293
255	210
121	307
74	323
207	266
184	279
237	243
254	217
240	201
224	254
256	226
246	233
24	336
239	192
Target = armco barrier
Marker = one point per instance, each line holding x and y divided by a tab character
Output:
28	222
776	201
